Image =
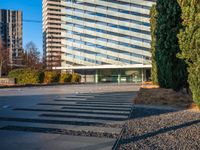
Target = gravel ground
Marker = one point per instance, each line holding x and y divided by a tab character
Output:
160	129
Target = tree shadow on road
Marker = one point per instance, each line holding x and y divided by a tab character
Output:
160	131
141	112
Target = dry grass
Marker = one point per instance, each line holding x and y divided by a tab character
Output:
153	95
149	85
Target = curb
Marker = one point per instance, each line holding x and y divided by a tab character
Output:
36	85
116	144
54	84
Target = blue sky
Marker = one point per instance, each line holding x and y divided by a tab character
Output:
32	10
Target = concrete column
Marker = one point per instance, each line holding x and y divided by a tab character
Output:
145	79
119	77
96	77
142	74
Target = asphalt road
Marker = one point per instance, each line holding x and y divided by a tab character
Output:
71	117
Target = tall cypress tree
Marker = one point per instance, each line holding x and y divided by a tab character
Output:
153	14
172	71
189	41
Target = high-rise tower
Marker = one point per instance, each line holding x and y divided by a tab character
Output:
108	40
11	35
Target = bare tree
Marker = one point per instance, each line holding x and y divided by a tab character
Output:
4	59
31	57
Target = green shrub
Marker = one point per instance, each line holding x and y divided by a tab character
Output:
194	81
189	42
51	77
154	74
171	71
76	78
41	76
65	78
27	76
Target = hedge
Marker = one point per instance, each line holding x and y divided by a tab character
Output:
51	77
76	78
27	76
65	78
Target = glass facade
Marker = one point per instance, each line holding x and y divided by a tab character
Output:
120	75
136	75
112	34
106	32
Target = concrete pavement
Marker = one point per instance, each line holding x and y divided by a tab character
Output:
74	117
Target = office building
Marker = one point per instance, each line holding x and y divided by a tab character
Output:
11	35
103	40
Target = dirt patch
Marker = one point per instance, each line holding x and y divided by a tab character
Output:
153	95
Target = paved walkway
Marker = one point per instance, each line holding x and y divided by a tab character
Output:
87	118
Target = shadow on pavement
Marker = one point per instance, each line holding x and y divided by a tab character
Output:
160	131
